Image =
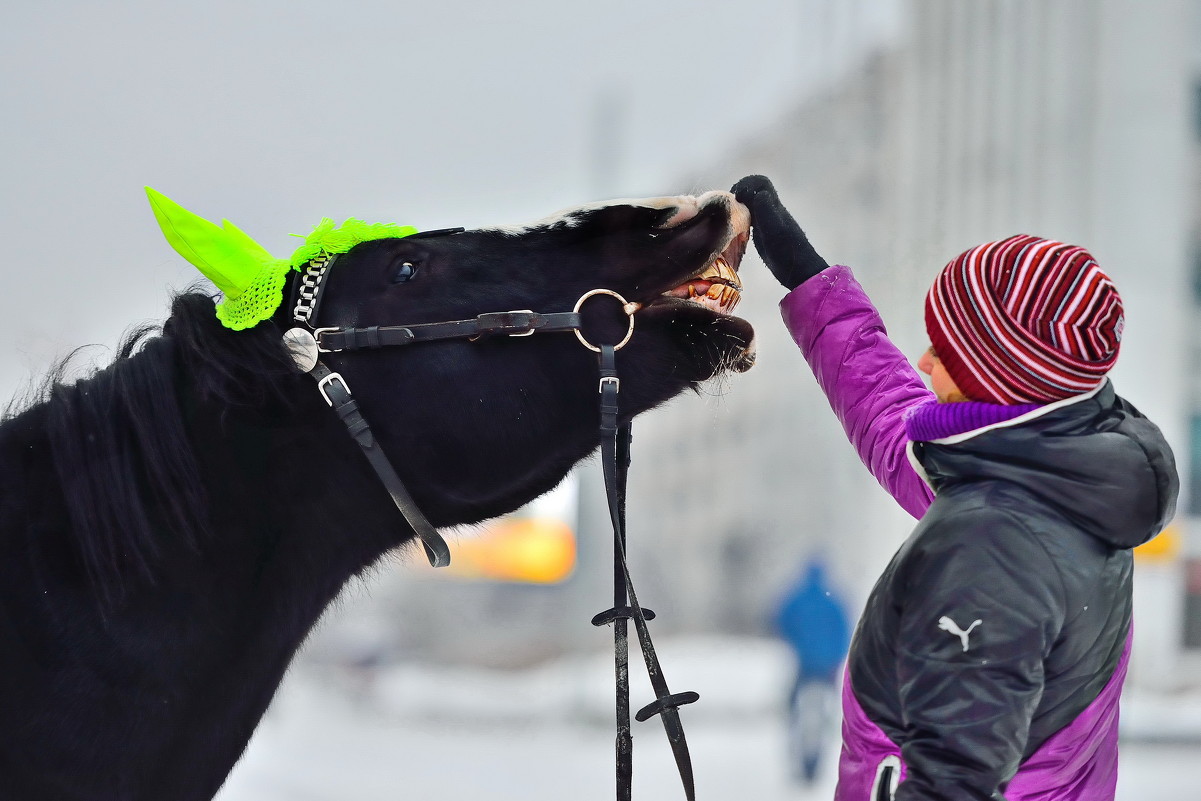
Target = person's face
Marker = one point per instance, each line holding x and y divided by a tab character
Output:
940	381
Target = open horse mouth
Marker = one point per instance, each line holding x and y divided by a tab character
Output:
717	229
716	286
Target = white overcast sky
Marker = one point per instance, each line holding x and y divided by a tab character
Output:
436	113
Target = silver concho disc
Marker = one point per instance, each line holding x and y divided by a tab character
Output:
303	348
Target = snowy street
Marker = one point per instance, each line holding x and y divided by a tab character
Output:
546	734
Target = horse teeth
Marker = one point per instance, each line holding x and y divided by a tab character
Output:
718	296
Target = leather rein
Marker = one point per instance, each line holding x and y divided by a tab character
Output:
307	342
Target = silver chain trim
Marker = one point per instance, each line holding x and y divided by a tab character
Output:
310	283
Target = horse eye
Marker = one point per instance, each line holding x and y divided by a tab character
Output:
404	272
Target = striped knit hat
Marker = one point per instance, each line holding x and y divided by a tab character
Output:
1024	320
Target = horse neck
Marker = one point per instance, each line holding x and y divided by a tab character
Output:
279	507
292	494
185	658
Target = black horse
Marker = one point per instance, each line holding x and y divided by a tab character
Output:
172	526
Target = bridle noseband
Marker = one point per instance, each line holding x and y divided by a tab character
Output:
306	342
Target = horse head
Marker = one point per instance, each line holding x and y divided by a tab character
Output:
479	426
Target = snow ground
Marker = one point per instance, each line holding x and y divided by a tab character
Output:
455	733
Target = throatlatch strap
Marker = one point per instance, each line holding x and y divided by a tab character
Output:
615	458
336	392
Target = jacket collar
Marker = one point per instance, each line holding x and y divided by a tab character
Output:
949	423
953	426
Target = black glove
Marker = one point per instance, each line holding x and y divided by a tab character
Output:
780	241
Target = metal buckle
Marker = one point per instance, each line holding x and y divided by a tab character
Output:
329	379
626	306
524	330
609	379
317	332
522	333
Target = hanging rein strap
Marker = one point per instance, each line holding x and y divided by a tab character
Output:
336	392
615	458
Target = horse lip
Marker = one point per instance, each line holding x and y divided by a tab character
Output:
735	249
723	266
739	234
722	288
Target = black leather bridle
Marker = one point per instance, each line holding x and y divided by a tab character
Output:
307	341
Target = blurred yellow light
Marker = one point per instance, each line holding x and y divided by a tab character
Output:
536	550
1163	548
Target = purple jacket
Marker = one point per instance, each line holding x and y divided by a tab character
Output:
872	388
870	384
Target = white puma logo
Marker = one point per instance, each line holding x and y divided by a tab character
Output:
946	624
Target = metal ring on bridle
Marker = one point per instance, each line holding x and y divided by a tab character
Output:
626	306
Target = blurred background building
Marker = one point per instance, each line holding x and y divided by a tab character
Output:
1075	120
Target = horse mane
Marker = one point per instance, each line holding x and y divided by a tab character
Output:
130	477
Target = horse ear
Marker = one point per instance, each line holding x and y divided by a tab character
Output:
225	254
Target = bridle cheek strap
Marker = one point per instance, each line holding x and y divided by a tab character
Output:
302	345
334	389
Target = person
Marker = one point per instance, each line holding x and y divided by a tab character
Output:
991	653
811	619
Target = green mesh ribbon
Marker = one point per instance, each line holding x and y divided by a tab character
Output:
249	277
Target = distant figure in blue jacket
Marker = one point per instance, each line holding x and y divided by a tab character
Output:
812	620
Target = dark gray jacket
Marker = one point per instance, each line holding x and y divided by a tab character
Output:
1005	612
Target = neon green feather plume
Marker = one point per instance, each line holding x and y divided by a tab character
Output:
250	278
330	238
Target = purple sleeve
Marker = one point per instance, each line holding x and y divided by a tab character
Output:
868	381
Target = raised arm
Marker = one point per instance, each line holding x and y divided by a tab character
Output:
869	383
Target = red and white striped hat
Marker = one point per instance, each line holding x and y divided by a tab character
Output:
1024	320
